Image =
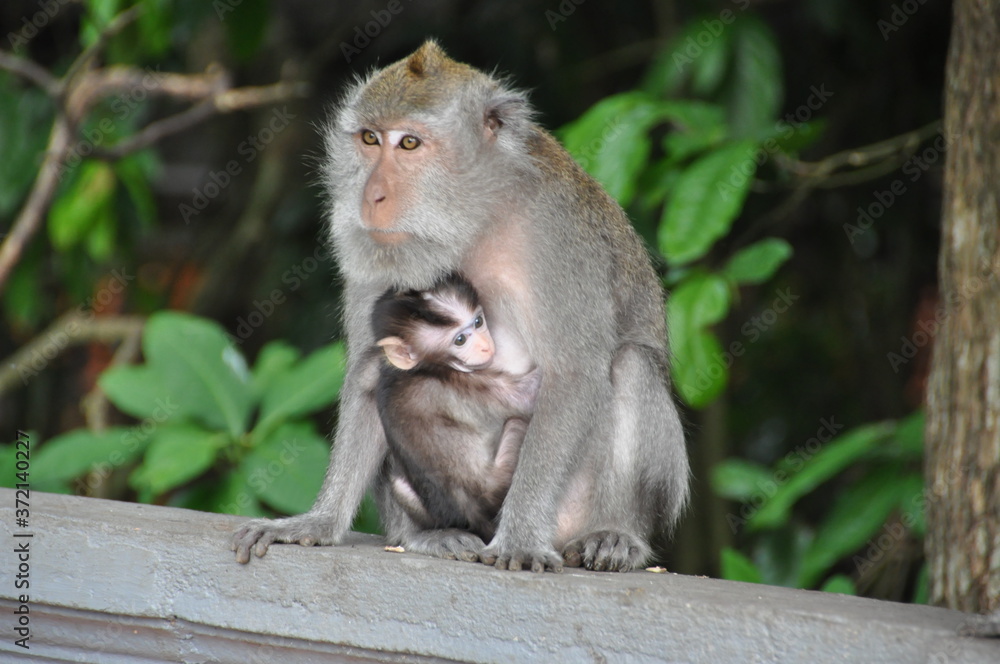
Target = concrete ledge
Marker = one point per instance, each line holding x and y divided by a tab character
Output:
118	582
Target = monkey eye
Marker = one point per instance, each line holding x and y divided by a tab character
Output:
409	142
478	322
368	137
461	339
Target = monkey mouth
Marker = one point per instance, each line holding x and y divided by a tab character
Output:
388	238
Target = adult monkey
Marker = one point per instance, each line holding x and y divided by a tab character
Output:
435	167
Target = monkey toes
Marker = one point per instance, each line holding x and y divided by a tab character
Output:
606	551
518	559
450	543
259	534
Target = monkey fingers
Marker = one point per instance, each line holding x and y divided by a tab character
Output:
518	559
448	543
606	551
259	534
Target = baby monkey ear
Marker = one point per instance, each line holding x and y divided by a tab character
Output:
398	352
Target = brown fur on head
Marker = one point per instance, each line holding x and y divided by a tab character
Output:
473	131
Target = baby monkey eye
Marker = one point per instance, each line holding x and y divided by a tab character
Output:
460	340
368	137
478	322
409	142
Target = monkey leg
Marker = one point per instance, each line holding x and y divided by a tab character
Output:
402	528
641	483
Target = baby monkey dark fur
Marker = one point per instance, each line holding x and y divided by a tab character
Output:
454	418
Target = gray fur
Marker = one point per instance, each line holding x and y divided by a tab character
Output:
564	280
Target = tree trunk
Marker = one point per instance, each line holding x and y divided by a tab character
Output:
963	401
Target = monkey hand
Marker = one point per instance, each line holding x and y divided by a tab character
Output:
449	543
305	529
537	558
607	551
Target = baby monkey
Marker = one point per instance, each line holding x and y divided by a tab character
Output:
454	416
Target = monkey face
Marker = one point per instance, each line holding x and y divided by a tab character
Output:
472	347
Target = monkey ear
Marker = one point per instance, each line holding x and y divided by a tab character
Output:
507	109
398	353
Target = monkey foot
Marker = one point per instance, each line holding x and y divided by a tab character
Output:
259	534
606	551
449	543
518	559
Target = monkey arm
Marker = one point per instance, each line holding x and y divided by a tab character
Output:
358	451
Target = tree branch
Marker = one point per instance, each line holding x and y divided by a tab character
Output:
72	328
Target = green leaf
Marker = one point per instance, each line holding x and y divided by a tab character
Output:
25	302
839	583
83	207
246	26
72	454
177	453
134	174
609	141
155	23
778	554
309	385
922	594
707	199
699	53
755	89
758	262
367	519
97	17
858	513
827	462
697	361
275	359
709	67
910	435
737	567
229	494
138	391
912	502
26	118
739	479
696	127
286	470
202	372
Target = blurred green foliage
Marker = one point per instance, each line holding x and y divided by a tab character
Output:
699	176
682	152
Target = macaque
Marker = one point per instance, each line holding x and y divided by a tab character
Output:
435	167
454	420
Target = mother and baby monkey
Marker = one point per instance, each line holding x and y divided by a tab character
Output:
507	395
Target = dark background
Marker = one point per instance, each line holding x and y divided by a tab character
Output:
825	358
